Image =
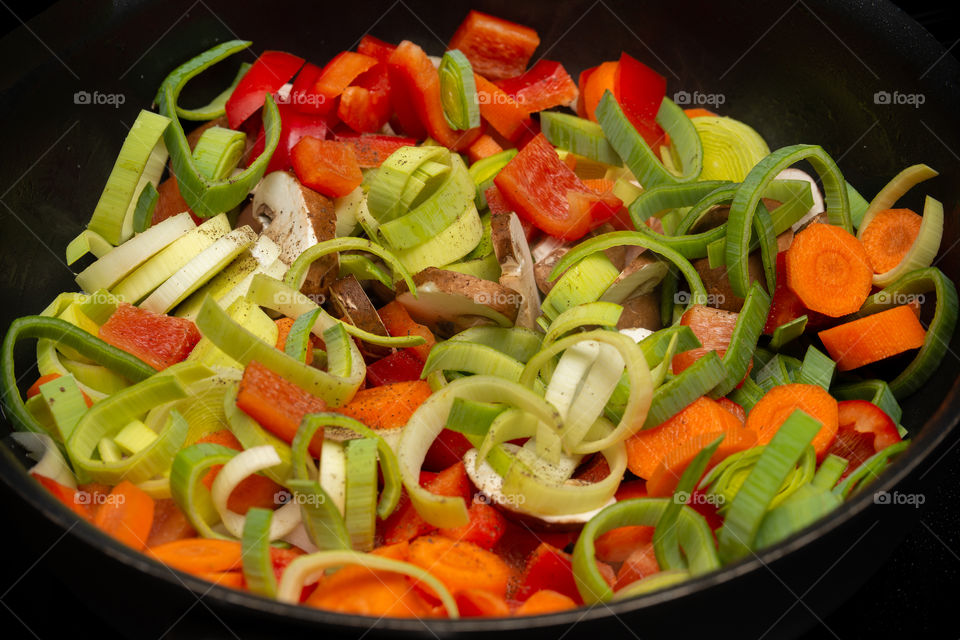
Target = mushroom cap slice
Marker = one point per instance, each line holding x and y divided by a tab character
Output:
719	293
639	277
641	312
544	267
449	302
349	302
516	265
296	218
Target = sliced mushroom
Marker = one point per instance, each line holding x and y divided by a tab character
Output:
516	265
641	312
490	484
818	204
717	282
640	277
349	302
297	218
449	302
542	269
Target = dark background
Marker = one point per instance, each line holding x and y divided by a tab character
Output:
913	594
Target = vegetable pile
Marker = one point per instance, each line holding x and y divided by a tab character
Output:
404	336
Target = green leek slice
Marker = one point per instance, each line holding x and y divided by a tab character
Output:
471	357
216	107
66	403
875	391
743	342
361	499
298	270
384	198
743	519
788	332
257	566
483	172
829	472
655	200
189	466
601	314
458	91
804	507
869	470
141	160
299	337
817	369
675	394
240	466
894	190
87	242
218	151
448	246
730	148
693	532
582	283
143	211
516	342
579	136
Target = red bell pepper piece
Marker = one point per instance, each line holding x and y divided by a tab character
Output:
272	70
295	125
447	449
497	204
340	74
496	48
417	83
303	96
70	498
485	528
327	166
405	523
372	150
548	568
399	366
509	118
864	430
365	106
157	339
375	48
631	489
713	328
639	91
597	207
546	84
535	184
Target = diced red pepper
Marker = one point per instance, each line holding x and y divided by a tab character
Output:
496	48
399	366
272	70
447	449
495	201
639	91
597	207
486	526
546	84
865	429
303	95
157	339
548	568
405	523
278	404
375	48
535	184
372	150
713	328
509	118
70	498
376	83
415	82
339	74
327	166
631	489
295	126
281	559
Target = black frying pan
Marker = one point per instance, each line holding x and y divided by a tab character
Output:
810	71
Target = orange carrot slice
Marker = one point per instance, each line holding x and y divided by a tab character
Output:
388	406
461	565
664	480
617	544
199	555
889	236
127	515
601	80
646	448
777	404
873	338
543	602
829	270
476	603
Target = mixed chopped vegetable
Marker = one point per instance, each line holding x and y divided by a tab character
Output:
404	336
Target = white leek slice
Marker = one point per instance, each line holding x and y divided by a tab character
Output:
244	464
167	262
200	270
894	190
50	462
333	473
115	265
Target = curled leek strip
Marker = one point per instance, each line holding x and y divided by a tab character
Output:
216	107
670	196
693	532
246	463
205	196
257	566
747	202
894	190
298	270
428	421
925	247
189	466
308	569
